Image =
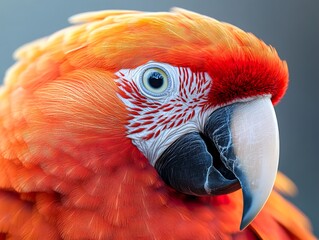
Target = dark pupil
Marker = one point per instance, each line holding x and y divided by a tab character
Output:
155	80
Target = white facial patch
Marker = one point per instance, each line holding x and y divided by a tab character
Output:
164	103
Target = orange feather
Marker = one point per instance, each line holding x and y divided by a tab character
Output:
67	169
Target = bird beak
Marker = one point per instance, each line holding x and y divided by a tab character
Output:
240	144
250	149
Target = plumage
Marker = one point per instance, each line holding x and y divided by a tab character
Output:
68	169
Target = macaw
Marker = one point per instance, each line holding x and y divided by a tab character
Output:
132	125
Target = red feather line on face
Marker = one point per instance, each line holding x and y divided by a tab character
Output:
151	116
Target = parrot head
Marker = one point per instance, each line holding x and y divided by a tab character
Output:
189	94
200	107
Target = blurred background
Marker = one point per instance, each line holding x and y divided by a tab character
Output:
291	26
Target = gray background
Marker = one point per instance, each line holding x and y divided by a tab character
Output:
291	26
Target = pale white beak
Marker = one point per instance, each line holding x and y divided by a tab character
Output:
255	140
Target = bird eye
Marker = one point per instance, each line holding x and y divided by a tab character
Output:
155	81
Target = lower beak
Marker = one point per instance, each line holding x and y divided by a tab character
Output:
238	148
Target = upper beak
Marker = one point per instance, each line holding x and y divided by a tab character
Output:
240	143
